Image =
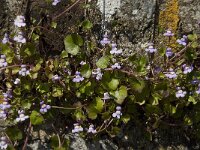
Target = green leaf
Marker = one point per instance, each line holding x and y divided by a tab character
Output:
36	118
98	104
36	68
170	109
120	95
64	54
192	37
126	118
43	87
86	71
113	84
87	25
15	70
54	141
95	108
194	44
192	100
57	92
14	133
92	114
28	50
54	24
137	85
72	43
79	115
103	62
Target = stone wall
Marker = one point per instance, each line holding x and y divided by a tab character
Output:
131	23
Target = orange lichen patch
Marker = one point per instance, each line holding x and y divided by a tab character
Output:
169	18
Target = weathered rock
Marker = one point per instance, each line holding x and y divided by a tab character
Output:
189	16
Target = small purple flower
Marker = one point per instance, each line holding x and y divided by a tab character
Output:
195	81
171	74
55	2
5	39
187	69
168	33
117	114
3	114
5	105
8	94
56	77
105	40
3	142
116	66
22	116
3	62
78	77
24	71
77	128
44	107
114	50
19	38
20	21
169	52
82	63
183	40
157	69
91	129
17	81
106	96
151	49
180	93
97	72
198	90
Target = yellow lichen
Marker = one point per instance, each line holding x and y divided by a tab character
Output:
169	17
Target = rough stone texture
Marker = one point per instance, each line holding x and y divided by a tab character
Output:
132	23
190	16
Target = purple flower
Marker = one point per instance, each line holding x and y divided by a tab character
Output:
5	105
44	107
91	129
106	96
171	74
17	81
56	77
77	128
151	49
116	66
8	94
3	143
195	81
183	40
169	52
22	116
180	93
19	38
187	69
24	71
3	62
78	77
114	49
105	40
82	63
3	114
55	2
198	91
97	73
20	21
168	33
117	114
5	39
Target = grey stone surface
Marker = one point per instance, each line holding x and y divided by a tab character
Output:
189	16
